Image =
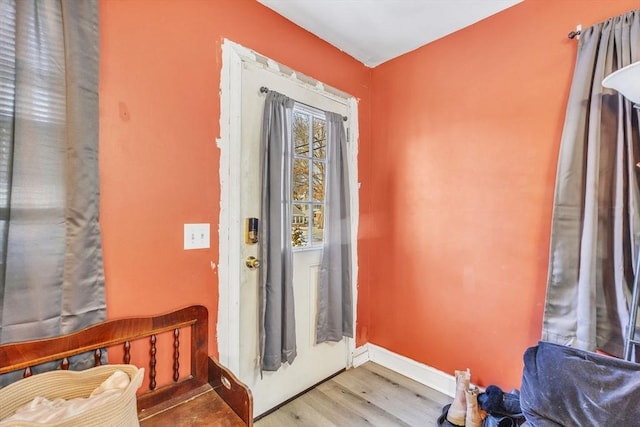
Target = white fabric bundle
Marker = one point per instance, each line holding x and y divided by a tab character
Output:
111	401
43	410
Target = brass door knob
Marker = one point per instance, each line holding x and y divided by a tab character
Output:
252	262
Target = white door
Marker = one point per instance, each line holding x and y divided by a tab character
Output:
313	362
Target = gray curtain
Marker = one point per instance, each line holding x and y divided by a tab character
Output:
335	300
51	272
596	217
277	322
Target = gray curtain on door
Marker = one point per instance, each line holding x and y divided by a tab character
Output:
335	300
276	318
51	272
596	217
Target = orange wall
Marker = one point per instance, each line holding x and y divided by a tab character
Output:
159	120
465	137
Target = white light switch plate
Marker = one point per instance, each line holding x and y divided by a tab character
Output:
196	236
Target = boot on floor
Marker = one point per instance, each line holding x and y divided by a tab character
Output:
458	409
474	416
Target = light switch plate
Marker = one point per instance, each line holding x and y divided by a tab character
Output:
196	236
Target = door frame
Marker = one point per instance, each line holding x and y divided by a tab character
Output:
230	224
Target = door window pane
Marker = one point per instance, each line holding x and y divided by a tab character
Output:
301	133
300	225
318	223
300	179
318	181
319	138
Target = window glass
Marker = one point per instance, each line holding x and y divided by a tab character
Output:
318	223
301	179
301	133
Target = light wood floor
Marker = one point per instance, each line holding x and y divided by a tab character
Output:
369	395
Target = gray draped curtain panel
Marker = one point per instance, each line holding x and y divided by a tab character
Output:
51	271
335	298
596	216
277	334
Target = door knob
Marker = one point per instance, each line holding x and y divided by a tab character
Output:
252	262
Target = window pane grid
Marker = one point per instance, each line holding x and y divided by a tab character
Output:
309	160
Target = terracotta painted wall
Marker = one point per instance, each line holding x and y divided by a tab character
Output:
465	136
159	120
462	134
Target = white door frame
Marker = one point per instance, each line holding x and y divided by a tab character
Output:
230	229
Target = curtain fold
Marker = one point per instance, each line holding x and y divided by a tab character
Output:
51	269
596	217
335	298
276	317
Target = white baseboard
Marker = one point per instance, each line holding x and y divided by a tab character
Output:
360	355
417	371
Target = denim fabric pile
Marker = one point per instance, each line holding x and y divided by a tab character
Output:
502	409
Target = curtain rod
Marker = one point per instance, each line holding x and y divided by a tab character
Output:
576	33
264	89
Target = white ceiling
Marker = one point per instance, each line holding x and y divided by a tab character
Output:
375	31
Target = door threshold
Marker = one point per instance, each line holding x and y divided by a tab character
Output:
275	408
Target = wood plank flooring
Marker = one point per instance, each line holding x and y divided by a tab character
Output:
369	395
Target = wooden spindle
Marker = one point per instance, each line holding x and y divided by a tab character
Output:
152	364
97	357
64	365
127	352
176	354
27	372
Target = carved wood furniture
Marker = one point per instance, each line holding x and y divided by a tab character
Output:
208	395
